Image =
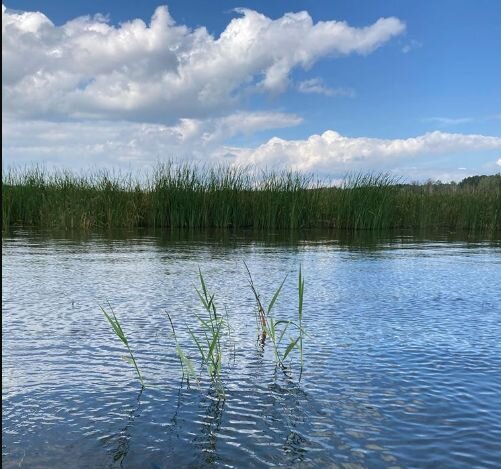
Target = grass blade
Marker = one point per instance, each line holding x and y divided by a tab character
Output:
115	325
290	347
275	296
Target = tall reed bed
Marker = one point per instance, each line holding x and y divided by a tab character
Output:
188	196
68	200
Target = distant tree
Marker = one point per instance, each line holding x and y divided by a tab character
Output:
482	182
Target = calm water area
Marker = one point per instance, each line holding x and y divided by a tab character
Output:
402	361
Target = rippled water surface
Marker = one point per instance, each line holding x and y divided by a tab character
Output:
402	359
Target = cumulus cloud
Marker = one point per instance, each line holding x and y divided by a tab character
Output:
317	86
139	145
88	68
331	152
88	92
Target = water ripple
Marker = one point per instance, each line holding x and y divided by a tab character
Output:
403	358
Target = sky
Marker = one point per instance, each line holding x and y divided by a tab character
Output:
410	88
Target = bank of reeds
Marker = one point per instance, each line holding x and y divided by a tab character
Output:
197	197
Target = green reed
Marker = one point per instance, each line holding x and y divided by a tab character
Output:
186	364
117	329
187	196
300	289
276	329
213	328
213	333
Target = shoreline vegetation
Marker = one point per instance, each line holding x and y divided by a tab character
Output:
187	196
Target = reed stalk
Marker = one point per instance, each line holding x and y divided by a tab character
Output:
207	339
117	329
276	329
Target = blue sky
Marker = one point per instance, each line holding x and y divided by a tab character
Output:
408	87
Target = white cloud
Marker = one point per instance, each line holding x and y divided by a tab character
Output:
334	153
317	86
90	93
108	143
88	68
411	45
137	145
448	121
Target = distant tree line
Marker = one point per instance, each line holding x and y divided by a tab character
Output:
482	182
479	183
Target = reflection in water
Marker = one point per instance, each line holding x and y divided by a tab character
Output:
206	439
285	406
289	403
401	364
173	420
123	442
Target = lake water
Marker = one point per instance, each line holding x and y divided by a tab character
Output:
402	362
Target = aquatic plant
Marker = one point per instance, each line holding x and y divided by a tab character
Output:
276	329
207	338
178	196
214	333
186	364
300	318
117	329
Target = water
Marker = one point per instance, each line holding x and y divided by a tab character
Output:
402	361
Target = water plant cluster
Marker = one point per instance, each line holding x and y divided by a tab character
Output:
211	334
212	327
187	196
276	329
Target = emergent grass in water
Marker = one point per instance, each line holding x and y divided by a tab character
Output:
276	329
208	340
117	329
213	334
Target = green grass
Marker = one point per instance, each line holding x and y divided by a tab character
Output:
212	329
276	329
117	329
194	197
212	334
